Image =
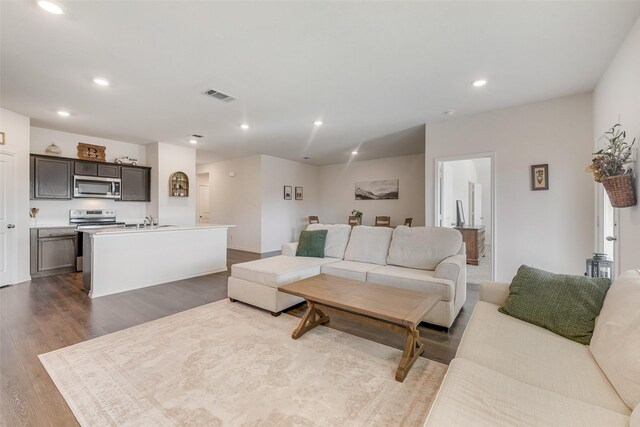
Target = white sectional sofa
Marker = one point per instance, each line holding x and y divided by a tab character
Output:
422	258
511	373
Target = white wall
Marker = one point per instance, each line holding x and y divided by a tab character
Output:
237	200
338	190
167	159
17	130
462	173
616	99
57	211
282	220
553	229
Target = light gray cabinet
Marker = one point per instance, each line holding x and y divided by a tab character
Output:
53	251
135	184
51	178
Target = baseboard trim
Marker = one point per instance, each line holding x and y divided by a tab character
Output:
240	248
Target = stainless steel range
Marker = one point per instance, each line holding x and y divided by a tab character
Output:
91	219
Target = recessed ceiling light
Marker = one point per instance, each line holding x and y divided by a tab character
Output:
193	141
354	152
101	82
50	7
479	83
63	113
449	112
318	123
244	126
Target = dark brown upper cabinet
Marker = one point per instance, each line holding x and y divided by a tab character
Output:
51	178
135	184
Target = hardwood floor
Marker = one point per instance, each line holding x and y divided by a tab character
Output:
52	312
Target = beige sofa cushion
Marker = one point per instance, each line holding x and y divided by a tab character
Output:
409	278
423	247
616	337
349	269
279	270
337	238
537	357
474	395
635	417
369	244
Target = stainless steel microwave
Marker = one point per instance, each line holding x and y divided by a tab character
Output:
96	187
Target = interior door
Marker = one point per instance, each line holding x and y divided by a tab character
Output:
8	241
203	204
607	228
447	204
475	203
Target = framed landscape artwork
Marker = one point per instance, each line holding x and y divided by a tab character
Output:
539	177
298	193
287	192
377	190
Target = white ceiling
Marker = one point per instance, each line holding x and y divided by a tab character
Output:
368	70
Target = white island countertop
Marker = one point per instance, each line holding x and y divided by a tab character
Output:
154	229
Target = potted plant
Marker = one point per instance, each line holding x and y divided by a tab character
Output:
611	167
358	215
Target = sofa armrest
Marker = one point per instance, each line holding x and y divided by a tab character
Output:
450	268
289	249
494	292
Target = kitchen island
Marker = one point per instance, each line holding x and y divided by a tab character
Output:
121	259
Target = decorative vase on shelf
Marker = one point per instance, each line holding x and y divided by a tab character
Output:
53	150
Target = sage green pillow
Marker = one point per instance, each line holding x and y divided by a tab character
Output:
311	243
564	304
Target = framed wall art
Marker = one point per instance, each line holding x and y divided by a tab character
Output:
377	190
298	193
287	192
539	177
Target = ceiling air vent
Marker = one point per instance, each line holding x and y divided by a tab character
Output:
197	136
219	95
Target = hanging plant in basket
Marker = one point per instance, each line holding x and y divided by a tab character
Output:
611	167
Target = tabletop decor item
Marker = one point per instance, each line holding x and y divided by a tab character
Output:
53	149
358	215
611	167
92	152
33	212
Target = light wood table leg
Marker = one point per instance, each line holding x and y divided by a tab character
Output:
312	318
412	350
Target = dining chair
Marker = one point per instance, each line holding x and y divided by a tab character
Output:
353	221
313	219
383	221
408	221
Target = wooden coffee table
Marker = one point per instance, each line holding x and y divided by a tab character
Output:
395	308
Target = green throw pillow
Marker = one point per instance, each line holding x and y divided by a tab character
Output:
311	243
564	304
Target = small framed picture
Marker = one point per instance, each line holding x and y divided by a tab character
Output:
287	192
1	138
539	177
298	193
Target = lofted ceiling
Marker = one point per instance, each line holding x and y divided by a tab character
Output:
373	72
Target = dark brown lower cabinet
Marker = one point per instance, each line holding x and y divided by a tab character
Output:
53	251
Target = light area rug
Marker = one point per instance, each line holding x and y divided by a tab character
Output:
230	364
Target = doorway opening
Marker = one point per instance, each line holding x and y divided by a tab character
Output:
465	200
203	214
